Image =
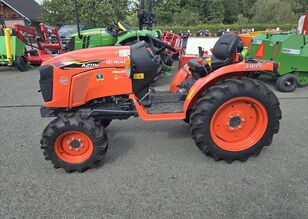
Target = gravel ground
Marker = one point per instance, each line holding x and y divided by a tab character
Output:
151	170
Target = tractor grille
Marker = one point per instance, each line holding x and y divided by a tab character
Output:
46	82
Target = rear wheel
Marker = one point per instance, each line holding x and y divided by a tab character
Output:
287	83
74	143
235	119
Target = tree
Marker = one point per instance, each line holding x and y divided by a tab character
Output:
58	12
231	11
165	10
95	13
274	11
215	11
246	8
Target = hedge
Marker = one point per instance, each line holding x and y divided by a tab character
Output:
235	27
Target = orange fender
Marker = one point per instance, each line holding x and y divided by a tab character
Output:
240	69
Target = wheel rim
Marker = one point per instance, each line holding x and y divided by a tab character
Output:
289	84
73	147
239	124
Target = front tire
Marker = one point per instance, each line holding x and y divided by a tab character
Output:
74	142
235	119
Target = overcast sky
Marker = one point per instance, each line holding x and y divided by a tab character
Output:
39	1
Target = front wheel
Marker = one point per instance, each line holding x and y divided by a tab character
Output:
74	143
235	119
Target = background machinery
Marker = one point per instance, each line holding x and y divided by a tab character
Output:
290	50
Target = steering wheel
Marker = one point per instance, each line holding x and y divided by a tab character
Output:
115	25
161	43
113	29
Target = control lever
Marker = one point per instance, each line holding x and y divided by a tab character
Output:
201	52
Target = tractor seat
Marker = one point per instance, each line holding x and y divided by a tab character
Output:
223	53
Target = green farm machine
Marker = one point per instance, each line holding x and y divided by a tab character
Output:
11	49
290	50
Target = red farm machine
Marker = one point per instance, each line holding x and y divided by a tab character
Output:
39	48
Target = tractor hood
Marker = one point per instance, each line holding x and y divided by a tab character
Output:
71	73
91	38
99	57
91	32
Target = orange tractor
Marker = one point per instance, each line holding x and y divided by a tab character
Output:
231	116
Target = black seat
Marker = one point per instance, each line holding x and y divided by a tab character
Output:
223	53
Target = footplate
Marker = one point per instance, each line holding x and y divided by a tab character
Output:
161	108
165	97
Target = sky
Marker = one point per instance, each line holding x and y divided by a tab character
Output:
39	1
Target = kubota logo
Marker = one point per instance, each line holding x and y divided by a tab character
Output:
64	80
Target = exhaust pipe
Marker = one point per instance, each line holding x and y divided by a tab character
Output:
77	18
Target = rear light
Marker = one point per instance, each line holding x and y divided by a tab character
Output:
46	82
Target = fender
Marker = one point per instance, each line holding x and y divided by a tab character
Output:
132	35
240	69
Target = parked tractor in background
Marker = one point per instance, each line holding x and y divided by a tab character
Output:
118	33
290	50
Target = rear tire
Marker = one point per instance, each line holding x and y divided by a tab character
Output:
287	83
21	63
74	142
216	132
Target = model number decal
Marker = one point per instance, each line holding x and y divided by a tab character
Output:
79	64
253	66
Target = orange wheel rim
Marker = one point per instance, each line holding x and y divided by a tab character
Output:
239	124
73	147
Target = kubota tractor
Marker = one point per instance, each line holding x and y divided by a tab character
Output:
231	116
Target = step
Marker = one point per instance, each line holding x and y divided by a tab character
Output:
162	108
165	97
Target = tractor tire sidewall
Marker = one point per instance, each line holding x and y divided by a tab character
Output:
57	127
216	96
281	81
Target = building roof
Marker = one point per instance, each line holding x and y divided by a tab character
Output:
29	9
